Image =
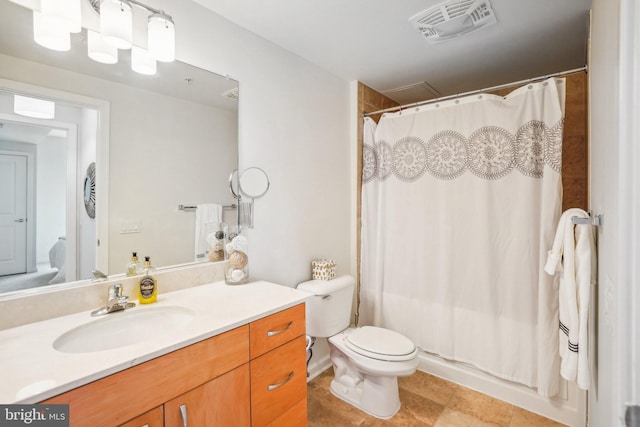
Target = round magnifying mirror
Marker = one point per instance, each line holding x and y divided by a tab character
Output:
233	183
254	183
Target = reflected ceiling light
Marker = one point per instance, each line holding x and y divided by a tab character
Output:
162	37
66	13
142	61
47	33
116	23
99	50
34	107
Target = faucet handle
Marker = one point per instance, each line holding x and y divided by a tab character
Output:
115	291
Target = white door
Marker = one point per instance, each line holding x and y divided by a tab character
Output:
13	214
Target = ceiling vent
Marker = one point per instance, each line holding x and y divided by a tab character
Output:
411	93
232	93
453	18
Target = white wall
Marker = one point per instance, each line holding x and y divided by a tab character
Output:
87	143
294	123
614	93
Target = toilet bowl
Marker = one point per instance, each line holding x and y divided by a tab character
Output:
367	361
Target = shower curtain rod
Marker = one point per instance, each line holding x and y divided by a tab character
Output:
473	92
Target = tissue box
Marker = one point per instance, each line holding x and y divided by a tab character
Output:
323	269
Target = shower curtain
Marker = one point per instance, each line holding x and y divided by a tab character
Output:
460	200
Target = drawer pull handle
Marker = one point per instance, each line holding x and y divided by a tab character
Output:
275	386
279	331
183	412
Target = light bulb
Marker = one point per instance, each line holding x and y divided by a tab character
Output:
99	50
116	23
162	37
47	33
66	13
142	62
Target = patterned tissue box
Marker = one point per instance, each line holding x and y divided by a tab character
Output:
323	269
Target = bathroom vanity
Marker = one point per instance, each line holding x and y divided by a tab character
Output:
239	360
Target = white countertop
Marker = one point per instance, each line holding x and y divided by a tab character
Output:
32	370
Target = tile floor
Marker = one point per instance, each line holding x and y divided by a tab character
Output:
426	401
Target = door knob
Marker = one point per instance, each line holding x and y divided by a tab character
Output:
20	220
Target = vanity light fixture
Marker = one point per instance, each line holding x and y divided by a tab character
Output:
116	23
142	62
48	34
34	107
99	50
56	19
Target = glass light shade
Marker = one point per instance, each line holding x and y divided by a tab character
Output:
34	107
162	37
47	33
66	13
116	23
99	50
142	62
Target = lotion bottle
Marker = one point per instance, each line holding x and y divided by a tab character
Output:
133	266
147	289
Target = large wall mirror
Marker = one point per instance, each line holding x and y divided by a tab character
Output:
150	144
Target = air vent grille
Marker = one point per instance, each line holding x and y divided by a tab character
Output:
453	18
232	93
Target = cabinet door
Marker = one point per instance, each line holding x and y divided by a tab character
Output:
224	401
153	418
278	381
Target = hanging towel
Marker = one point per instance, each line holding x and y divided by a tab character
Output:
208	216
573	255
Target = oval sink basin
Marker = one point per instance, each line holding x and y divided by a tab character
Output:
122	328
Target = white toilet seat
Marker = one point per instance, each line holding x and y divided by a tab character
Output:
380	344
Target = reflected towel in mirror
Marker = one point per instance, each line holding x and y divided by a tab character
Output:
208	216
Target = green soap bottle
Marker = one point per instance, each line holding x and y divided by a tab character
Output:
147	289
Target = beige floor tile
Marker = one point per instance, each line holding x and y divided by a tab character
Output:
481	406
428	386
524	418
324	409
452	418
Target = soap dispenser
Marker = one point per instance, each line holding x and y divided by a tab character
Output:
147	289
133	266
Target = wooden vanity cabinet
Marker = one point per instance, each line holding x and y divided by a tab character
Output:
279	369
254	375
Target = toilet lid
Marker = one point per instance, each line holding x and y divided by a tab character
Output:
380	344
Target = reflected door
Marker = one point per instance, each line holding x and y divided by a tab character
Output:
13	214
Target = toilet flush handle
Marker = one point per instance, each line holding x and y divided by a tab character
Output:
325	297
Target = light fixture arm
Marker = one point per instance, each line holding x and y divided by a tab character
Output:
95	4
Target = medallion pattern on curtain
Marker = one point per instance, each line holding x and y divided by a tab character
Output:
460	201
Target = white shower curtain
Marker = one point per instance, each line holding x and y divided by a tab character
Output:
459	205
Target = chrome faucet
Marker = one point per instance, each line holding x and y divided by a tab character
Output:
115	302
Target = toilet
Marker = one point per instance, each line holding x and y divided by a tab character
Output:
368	360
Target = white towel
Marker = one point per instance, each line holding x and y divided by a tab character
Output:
208	216
573	254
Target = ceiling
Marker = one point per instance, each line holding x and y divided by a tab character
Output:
372	41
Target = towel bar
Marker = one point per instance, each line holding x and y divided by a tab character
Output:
193	208
592	220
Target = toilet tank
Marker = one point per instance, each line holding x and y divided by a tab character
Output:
329	310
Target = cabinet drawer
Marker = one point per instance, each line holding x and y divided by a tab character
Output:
278	381
153	418
275	330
